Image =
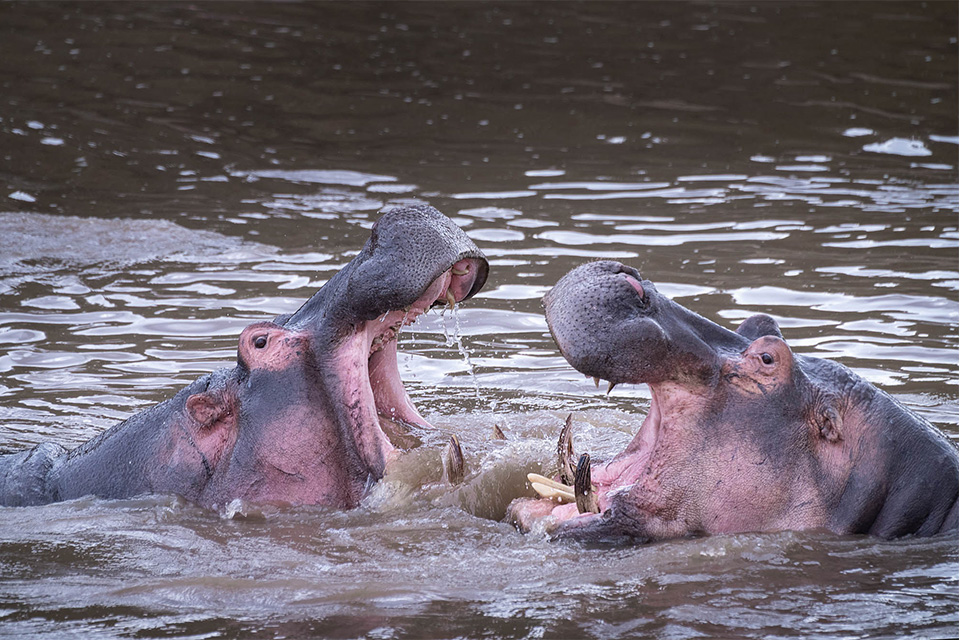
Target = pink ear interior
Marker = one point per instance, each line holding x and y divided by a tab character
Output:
204	409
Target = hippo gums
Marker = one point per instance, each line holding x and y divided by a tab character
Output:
742	434
300	419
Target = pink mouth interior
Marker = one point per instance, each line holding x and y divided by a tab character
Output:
625	470
372	351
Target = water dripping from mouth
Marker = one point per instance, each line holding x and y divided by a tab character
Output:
457	338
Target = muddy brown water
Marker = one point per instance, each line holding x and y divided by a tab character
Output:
173	172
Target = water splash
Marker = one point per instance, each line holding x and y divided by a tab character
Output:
457	339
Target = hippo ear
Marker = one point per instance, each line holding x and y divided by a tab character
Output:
213	424
205	409
830	424
758	326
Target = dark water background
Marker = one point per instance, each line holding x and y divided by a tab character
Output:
172	172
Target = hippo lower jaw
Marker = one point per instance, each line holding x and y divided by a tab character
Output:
557	512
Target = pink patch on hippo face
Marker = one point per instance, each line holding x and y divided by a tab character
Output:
265	345
766	363
462	276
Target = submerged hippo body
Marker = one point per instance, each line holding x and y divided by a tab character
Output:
298	420
742	434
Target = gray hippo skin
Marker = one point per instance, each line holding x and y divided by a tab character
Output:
742	434
301	418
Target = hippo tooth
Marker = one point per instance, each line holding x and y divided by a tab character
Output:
451	300
565	455
459	272
551	493
453	463
610	388
547	482
498	433
596	382
584	492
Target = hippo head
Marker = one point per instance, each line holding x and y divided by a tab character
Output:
305	415
612	325
741	435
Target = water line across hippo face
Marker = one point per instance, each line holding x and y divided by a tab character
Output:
303	418
742	434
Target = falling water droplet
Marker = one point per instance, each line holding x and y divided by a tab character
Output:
457	338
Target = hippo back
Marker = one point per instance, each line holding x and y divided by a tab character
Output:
23	475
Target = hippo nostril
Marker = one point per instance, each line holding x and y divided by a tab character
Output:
635	284
260	342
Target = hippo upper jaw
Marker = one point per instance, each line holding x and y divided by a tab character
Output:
409	249
611	324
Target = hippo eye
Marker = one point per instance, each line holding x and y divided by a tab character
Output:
766	358
260	342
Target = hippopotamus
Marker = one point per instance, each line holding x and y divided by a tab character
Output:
304	417
742	434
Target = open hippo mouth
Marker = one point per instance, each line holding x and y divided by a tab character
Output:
610	324
415	258
377	339
742	434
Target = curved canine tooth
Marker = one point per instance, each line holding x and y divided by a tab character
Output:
553	493
498	433
451	300
460	272
610	388
453	464
596	382
584	493
547	482
565	454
